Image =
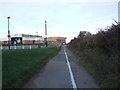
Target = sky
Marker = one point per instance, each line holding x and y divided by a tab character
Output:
65	18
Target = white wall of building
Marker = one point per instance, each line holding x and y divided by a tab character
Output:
33	38
29	37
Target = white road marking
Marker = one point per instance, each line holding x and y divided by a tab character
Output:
70	71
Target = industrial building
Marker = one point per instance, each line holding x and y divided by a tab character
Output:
32	39
24	39
57	40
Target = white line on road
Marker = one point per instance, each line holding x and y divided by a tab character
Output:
70	71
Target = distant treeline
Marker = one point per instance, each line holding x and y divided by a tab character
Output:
102	52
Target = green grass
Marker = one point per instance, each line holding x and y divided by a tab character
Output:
53	45
20	65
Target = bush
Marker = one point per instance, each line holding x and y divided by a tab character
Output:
101	51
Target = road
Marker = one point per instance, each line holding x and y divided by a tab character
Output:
62	71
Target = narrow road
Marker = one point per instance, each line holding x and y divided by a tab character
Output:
62	71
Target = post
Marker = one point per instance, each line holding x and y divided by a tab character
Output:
46	34
1	46
14	46
23	46
30	46
8	34
37	39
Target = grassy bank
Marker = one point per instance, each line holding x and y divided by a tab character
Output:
20	65
101	72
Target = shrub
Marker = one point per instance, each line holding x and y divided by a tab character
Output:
101	50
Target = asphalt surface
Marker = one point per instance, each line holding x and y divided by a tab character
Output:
56	73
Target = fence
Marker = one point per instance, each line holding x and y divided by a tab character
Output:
21	47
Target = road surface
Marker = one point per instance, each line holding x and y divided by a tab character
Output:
62	71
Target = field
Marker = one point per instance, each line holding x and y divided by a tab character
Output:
18	66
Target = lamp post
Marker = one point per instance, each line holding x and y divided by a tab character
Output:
37	39
46	34
8	34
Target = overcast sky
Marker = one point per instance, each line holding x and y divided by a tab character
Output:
64	18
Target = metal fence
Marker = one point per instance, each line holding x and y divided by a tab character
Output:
21	47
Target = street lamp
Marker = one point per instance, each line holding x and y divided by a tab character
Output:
37	39
46	33
8	34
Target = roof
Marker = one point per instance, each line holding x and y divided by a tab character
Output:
25	35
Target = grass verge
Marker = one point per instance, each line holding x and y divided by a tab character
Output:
18	66
97	68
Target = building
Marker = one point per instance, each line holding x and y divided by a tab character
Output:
32	39
24	39
57	40
3	40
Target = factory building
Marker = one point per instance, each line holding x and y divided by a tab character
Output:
24	39
32	39
3	40
57	40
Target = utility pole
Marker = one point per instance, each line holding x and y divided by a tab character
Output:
46	34
8	34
